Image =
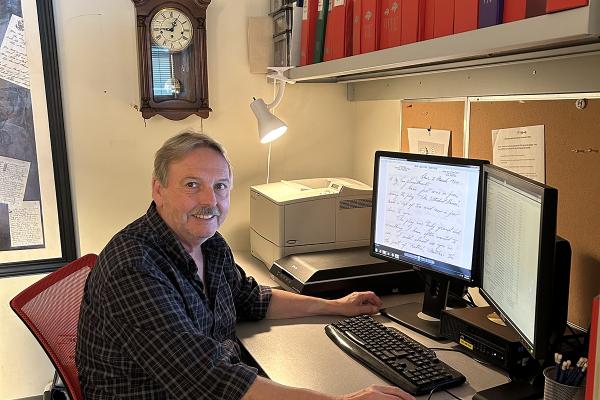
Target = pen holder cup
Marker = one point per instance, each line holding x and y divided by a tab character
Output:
558	391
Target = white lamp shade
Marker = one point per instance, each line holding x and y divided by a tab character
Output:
269	126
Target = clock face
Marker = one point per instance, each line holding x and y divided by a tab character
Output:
171	29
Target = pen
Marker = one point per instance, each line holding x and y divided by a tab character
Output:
578	373
581	375
557	360
573	372
564	371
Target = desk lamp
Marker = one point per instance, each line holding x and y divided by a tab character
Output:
269	126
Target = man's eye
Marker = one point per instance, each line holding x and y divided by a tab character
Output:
220	186
192	185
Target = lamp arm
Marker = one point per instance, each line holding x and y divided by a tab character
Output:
279	96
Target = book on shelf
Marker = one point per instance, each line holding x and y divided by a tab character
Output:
322	12
307	38
514	10
560	5
466	14
490	12
390	24
443	20
413	21
338	34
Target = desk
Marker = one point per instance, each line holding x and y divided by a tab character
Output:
297	352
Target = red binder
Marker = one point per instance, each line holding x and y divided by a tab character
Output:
559	5
307	38
369	29
466	14
429	19
514	10
413	21
338	35
443	24
356	14
391	24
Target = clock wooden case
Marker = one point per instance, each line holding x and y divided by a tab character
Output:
171	39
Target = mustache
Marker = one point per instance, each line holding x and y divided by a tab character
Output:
207	212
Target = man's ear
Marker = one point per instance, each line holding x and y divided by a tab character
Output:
157	192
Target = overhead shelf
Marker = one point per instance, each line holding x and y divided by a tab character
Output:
552	35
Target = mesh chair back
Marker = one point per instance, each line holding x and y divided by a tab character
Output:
50	309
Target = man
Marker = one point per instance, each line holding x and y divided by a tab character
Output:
159	309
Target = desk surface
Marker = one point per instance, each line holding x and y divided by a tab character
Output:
297	352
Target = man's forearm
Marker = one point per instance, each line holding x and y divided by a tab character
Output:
290	305
262	389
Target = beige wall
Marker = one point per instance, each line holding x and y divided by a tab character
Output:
378	128
110	148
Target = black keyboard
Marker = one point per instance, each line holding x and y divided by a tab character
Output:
393	355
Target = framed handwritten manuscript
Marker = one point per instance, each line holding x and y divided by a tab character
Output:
36	219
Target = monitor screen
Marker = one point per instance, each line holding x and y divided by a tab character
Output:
425	212
517	253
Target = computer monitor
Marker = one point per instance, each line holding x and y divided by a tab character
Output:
525	269
426	213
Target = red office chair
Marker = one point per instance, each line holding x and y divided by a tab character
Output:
50	309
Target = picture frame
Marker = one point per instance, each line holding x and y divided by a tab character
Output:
58	246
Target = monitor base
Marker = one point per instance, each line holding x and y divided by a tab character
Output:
408	315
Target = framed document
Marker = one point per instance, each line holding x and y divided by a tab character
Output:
36	217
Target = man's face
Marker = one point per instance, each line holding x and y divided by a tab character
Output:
195	201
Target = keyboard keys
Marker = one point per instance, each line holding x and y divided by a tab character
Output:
398	358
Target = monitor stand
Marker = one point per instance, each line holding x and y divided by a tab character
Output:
424	318
410	315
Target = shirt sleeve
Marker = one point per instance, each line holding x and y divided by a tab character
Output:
251	299
150	316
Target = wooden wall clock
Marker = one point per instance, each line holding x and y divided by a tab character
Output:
171	39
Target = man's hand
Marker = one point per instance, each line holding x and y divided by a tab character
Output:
291	305
264	388
358	303
377	392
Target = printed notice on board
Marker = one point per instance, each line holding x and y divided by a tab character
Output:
521	150
13	54
428	141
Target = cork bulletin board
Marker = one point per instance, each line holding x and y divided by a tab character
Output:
572	166
446	115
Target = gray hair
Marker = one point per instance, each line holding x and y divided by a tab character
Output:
178	147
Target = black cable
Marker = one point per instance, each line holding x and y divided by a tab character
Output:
431	393
427	285
471	299
439	387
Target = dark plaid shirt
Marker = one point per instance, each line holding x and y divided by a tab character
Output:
149	329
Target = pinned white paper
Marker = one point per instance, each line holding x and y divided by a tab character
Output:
428	141
521	150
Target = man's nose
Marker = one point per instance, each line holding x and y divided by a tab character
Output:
207	196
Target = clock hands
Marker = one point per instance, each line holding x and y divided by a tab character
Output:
172	28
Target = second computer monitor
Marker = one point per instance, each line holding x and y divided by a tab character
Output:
426	212
525	268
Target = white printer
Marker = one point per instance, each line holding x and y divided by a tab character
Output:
308	215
